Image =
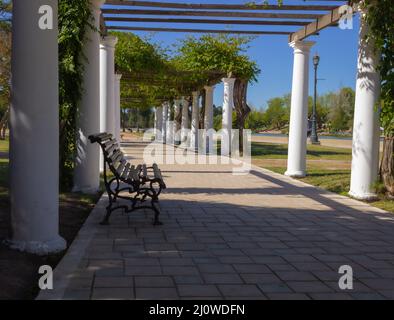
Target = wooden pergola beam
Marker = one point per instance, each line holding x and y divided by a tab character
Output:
127	28
196	13
199	6
209	21
321	23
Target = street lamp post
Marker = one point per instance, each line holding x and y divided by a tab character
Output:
314	136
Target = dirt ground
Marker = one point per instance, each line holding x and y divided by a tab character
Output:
19	271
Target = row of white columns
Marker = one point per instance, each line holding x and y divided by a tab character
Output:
190	127
366	128
34	121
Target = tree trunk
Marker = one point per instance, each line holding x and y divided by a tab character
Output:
241	107
202	111
387	165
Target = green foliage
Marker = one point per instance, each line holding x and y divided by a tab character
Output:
74	19
277	114
340	108
255	121
221	54
5	55
146	79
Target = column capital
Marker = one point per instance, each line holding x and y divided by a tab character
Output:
108	41
195	94
302	46
96	4
209	88
229	80
118	76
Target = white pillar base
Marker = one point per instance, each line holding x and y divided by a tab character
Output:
296	174
41	248
364	196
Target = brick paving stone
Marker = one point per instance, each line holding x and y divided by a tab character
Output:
153	282
182	270
195	290
296	276
242	290
187	279
142	270
113	282
279	287
222	279
112	294
156	294
308	286
287	296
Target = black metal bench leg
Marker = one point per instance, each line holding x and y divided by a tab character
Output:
156	221
105	221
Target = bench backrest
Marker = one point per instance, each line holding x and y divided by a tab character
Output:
113	155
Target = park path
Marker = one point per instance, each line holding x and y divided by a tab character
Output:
259	236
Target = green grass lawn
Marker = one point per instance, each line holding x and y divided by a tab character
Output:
335	180
279	151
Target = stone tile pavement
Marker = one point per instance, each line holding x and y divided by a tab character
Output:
259	236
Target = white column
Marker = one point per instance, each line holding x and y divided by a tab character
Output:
164	123
34	131
159	123
208	120
366	129
87	165
177	124
117	113
170	127
185	119
227	124
296	164
107	84
195	121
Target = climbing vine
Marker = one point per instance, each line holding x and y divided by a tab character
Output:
74	19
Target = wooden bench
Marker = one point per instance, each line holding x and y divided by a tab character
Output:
124	180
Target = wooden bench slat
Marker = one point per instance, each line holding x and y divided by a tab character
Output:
134	174
111	149
126	171
121	167
144	171
116	157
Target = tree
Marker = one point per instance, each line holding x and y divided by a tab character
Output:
275	117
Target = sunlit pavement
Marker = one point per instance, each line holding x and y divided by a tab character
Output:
225	236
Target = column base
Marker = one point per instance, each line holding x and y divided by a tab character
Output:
41	248
295	174
87	190
368	196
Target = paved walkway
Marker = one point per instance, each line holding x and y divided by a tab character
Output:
260	236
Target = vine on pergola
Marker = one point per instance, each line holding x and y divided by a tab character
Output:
219	56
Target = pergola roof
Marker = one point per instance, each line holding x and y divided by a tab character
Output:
295	21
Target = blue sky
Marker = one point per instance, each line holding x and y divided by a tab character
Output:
337	49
